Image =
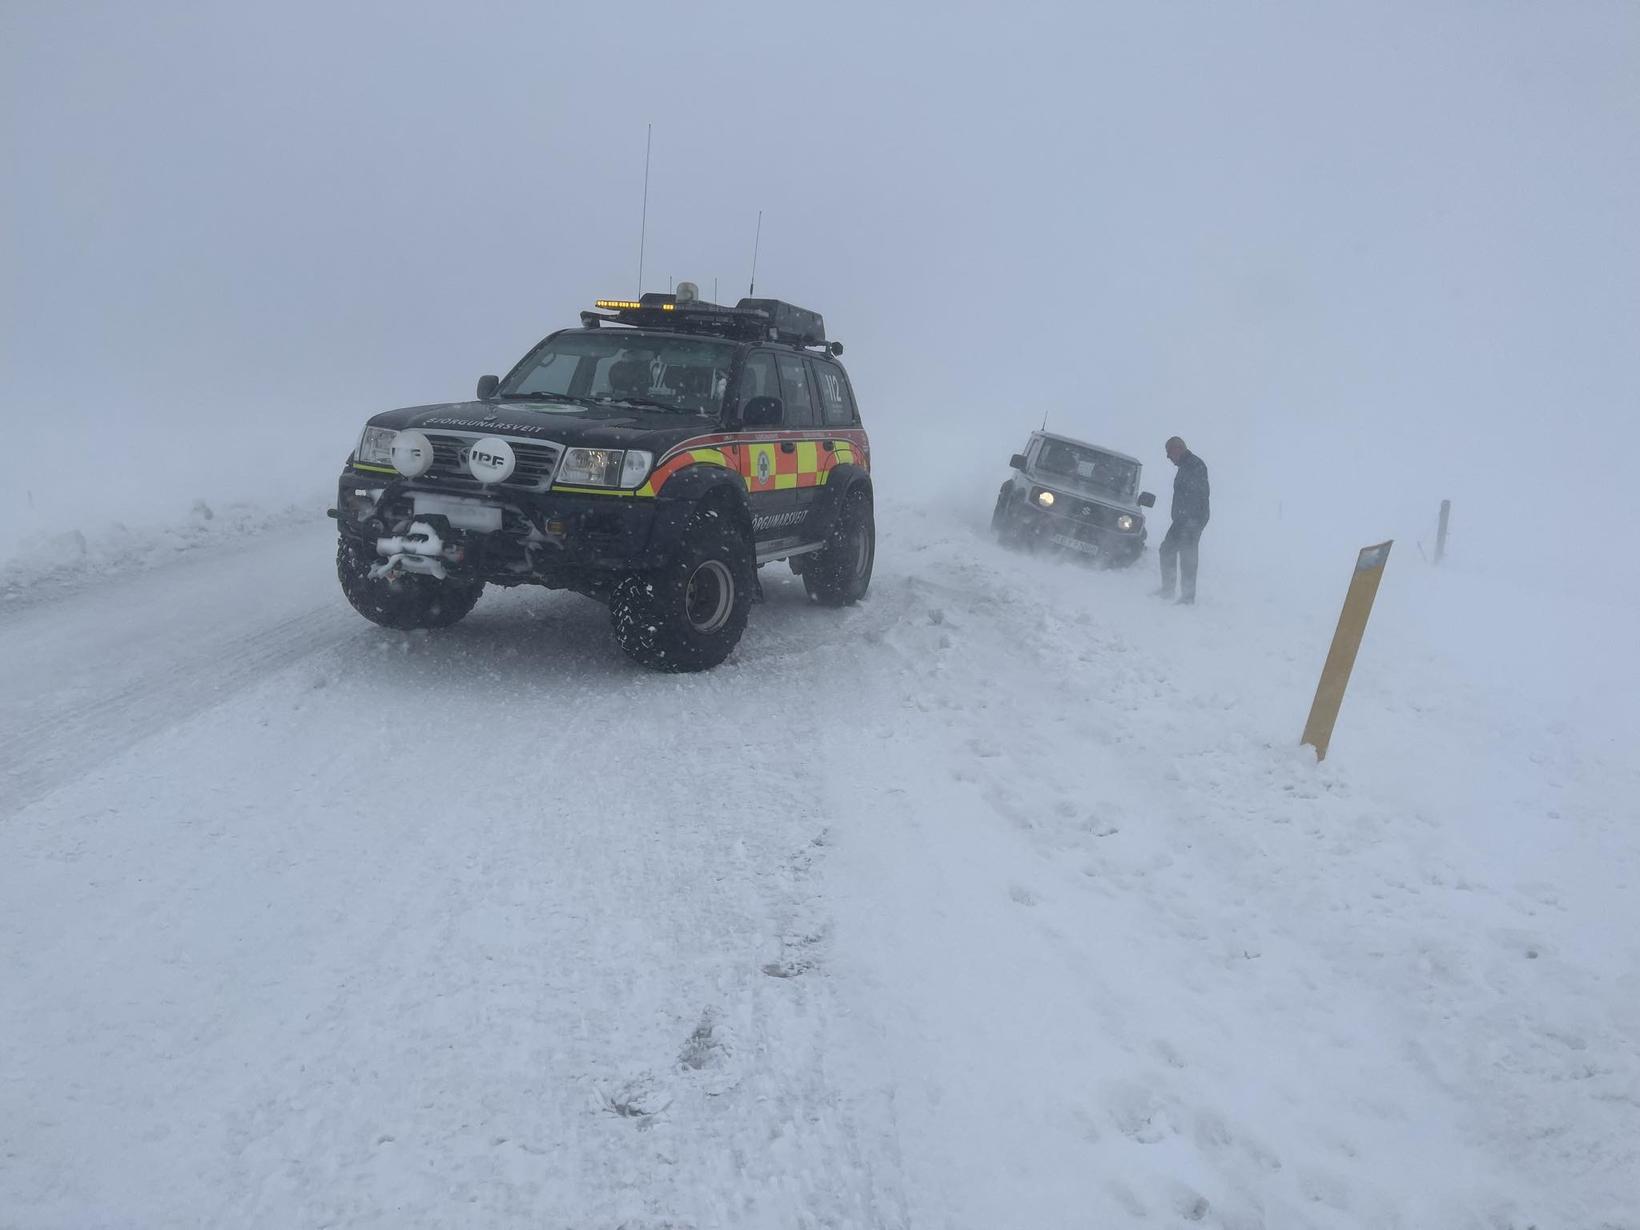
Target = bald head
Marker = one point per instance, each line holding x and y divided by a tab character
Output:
1175	449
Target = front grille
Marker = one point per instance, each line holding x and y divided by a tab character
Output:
1094	514
1101	515
536	461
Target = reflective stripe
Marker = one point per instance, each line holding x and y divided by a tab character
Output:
595	490
762	463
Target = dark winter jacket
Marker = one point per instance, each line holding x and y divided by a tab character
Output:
1190	490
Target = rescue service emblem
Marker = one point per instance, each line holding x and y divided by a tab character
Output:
763	464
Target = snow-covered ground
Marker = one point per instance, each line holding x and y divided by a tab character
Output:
1002	900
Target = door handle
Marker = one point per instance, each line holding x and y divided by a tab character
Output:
788	446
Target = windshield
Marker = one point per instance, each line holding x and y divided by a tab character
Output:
613	366
1089	467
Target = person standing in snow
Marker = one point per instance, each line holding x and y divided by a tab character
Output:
1178	549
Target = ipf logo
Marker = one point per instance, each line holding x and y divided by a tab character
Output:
764	465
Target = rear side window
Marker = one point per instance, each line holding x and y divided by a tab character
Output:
836	401
796	388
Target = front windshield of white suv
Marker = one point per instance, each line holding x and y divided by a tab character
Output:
615	367
1113	476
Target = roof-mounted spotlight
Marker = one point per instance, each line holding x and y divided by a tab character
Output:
682	310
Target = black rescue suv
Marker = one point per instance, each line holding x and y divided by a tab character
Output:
1075	497
652	459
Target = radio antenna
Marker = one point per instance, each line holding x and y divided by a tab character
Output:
757	240
643	224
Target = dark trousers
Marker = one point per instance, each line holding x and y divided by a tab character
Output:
1178	556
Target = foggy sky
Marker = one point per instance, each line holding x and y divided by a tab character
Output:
1362	256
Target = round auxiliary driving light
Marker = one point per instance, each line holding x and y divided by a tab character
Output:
1045	498
412	454
1124	522
491	460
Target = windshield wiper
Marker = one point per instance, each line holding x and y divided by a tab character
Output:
574	401
645	403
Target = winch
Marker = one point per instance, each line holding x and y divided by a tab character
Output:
420	549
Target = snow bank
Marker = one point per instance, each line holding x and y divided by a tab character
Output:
40	562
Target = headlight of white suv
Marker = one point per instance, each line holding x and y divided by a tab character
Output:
375	447
604	467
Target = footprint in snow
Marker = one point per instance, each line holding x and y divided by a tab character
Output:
703	1048
638	1099
1188	1203
1023	895
1137	1113
1525	943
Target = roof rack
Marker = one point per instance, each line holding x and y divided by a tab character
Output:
749	320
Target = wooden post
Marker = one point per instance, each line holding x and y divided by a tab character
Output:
1352	623
1440	534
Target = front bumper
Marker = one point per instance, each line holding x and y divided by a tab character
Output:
1081	536
560	540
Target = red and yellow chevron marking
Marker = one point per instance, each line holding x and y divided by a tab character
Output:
760	461
769	466
679	461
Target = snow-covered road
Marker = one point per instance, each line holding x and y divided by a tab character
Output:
1002	900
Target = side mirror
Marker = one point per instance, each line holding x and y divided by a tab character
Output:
1146	500
763	412
487	386
1017	461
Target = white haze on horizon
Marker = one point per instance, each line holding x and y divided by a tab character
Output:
1362	257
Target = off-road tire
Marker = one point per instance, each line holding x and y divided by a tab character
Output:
1002	522
690	614
406	602
840	572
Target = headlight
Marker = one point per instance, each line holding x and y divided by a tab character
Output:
375	447
604	467
1045	498
1125	522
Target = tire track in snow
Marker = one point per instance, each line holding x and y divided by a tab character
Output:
61	738
485	925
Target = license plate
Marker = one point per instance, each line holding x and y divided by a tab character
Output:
1075	544
462	514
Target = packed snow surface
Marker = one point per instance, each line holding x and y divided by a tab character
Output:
1003	899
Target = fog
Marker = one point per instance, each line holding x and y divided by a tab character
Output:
1362	257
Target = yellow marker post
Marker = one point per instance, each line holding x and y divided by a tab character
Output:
1352	623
